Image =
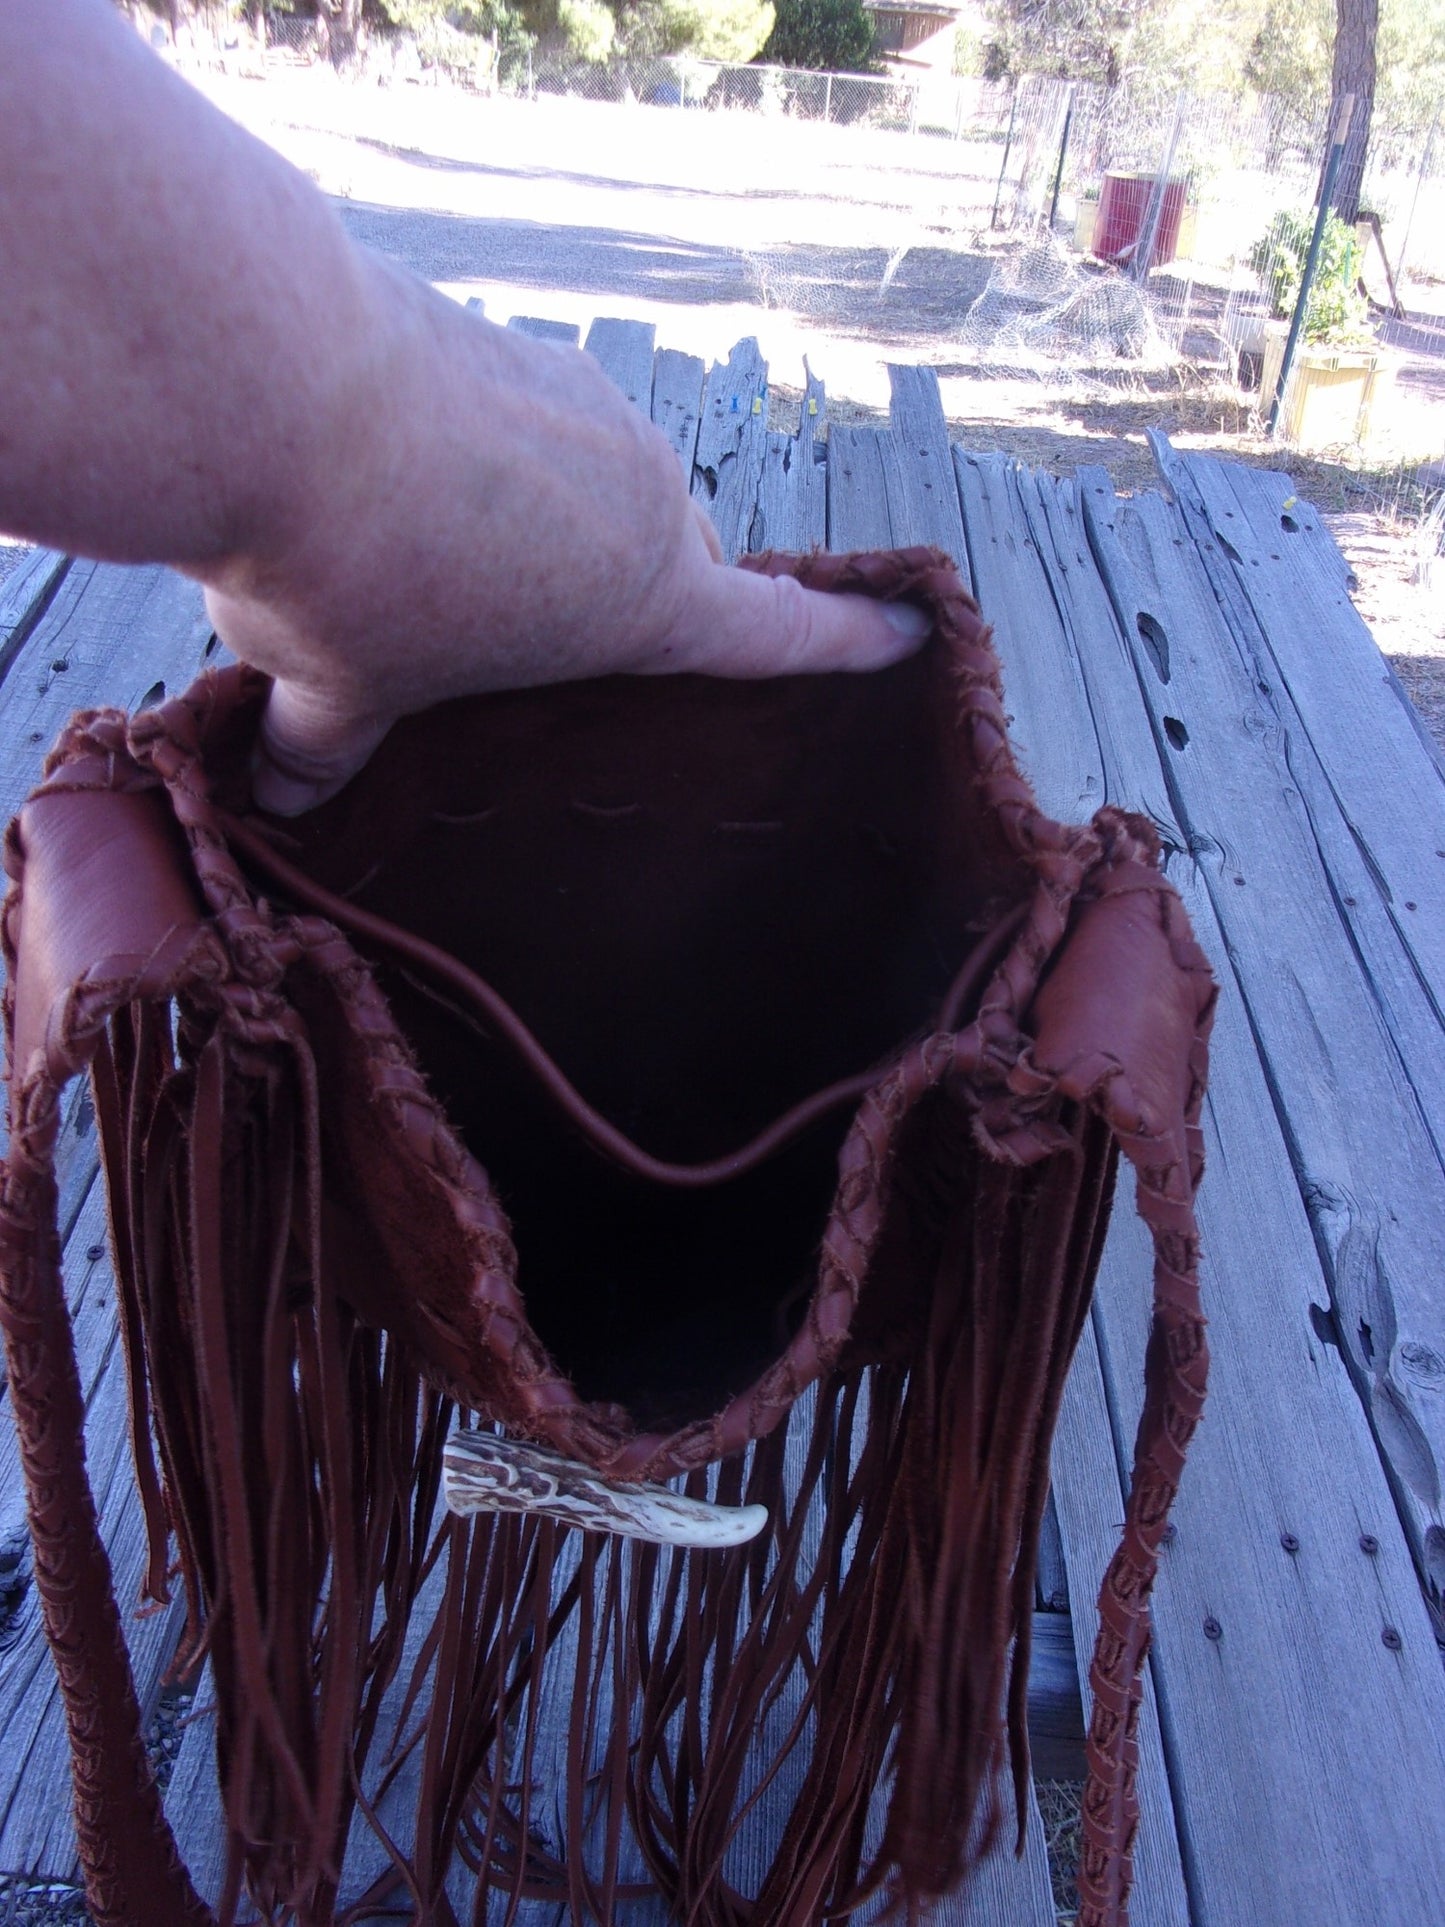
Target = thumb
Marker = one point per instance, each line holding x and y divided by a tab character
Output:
308	749
740	624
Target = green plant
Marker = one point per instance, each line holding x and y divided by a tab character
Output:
1337	311
829	35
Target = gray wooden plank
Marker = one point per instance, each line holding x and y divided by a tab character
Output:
475	305
1056	742
1051	1586
110	635
1363	833
732	439
864	511
1056	1709
1315	548
624	351
36	1834
918	467
792	503
1061	742
1368	1164
677	381
567	333
858	516
792	508
25	596
1296	1733
1343	693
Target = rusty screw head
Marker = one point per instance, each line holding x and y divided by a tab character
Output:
1369	1544
1212	1628
1391	1639
95	1253
1289	1542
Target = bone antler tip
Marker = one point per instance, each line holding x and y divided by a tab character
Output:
483	1472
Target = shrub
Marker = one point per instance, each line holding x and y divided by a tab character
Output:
1337	311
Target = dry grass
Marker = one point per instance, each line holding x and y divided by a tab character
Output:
1059	1806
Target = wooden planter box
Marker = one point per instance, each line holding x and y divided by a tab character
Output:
1332	391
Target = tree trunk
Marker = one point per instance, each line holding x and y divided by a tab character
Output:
343	20
1356	23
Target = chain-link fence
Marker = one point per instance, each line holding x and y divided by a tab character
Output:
1002	207
1082	161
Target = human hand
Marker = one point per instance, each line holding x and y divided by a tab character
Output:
491	513
388	501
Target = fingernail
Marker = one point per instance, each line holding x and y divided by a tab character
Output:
908	619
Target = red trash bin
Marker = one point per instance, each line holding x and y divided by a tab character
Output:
1123	206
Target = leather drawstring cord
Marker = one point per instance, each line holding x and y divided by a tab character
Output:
437	965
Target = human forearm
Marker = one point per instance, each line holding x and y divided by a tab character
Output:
389	502
184	316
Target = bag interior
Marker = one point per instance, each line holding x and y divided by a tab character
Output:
707	900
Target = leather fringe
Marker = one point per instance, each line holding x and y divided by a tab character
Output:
873	1634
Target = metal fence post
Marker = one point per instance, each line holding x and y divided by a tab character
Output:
1144	252
1008	141
1425	161
1063	151
828	101
1312	259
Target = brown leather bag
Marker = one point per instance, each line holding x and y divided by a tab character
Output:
612	1065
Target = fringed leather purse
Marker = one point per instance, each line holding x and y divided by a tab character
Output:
627	1081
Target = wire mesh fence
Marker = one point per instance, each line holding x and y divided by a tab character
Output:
1060	231
1018	155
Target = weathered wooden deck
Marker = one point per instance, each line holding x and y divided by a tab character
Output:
1193	654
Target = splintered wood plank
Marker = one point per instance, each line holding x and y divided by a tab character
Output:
1292	889
792	502
25	596
918	469
36	1834
624	350
476	306
677	381
1057	742
1381	850
732	440
1344	693
541	329
1298	1682
895	487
